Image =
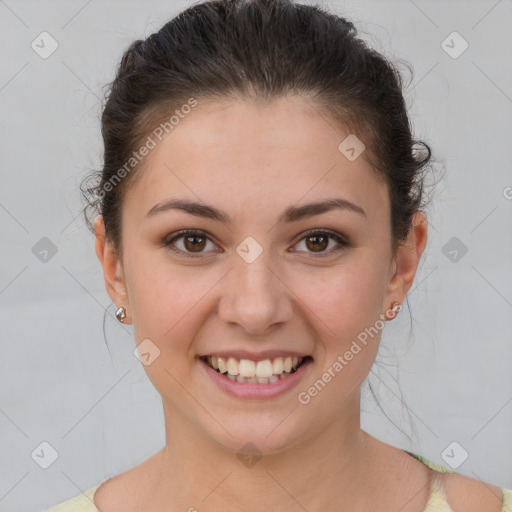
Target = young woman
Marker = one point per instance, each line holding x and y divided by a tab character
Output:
260	219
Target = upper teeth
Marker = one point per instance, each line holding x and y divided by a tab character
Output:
248	368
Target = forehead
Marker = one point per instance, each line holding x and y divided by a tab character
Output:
261	154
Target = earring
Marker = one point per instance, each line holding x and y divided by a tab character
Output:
121	314
396	307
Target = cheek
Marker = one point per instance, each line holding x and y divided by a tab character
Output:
344	299
346	306
169	305
165	298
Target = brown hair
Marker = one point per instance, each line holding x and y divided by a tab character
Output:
259	49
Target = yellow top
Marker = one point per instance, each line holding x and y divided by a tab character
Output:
436	502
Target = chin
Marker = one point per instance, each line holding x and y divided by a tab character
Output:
258	438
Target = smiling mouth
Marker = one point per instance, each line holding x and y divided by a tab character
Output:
247	371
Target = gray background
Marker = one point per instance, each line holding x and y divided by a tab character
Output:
57	381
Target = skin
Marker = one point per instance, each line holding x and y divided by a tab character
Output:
253	160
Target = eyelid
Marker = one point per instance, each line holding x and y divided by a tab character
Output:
337	236
169	241
340	239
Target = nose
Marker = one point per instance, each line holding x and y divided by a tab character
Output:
255	297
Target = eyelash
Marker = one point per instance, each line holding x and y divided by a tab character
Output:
342	243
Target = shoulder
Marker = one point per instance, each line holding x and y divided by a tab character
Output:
125	491
111	493
95	498
80	503
466	494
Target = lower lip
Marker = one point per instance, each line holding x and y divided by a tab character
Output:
246	390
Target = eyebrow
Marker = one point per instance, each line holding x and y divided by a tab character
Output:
291	214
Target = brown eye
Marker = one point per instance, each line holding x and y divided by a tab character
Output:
318	242
192	243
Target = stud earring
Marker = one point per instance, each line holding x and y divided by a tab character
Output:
121	314
396	307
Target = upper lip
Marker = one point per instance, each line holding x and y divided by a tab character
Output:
256	356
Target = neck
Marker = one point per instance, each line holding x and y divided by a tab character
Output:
314	471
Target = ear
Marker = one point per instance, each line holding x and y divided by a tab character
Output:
406	261
112	268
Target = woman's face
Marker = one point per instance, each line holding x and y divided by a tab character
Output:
252	283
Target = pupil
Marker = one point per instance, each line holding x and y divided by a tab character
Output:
194	245
316	244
